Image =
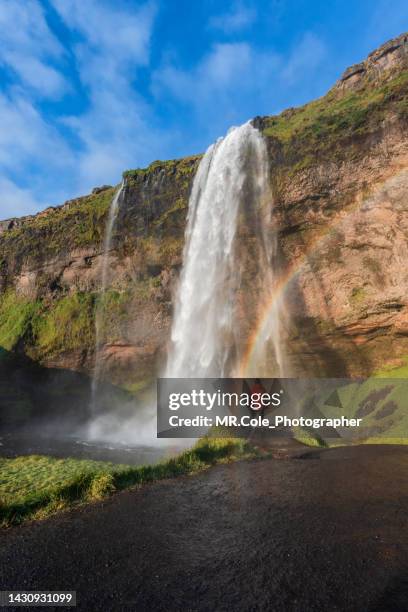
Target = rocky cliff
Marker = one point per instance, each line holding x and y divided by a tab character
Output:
339	178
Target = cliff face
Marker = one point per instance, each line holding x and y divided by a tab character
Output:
339	177
341	186
51	270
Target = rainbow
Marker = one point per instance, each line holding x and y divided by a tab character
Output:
295	269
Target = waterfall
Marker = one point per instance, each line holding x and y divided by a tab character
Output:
230	193
107	244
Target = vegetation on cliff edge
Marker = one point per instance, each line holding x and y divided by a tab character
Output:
319	129
179	168
76	224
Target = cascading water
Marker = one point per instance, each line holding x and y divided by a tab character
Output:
120	422
113	212
227	274
232	181
117	421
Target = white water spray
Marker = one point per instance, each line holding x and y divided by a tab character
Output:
232	177
126	425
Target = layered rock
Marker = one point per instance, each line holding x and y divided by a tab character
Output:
384	61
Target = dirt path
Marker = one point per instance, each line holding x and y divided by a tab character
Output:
328	532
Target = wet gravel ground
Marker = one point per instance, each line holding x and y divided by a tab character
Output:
321	531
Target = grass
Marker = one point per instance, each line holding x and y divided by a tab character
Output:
33	487
74	225
320	128
399	371
46	328
308	437
380	401
184	166
69	324
16	315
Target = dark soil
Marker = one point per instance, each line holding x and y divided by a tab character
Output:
321	531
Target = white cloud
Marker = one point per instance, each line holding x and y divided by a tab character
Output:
304	58
23	26
114	40
31	147
44	79
237	19
229	68
225	83
115	130
221	88
26	138
27	46
15	201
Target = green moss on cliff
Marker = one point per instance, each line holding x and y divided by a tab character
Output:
16	317
398	371
112	310
46	328
67	325
159	252
76	224
183	167
179	205
321	127
42	329
358	295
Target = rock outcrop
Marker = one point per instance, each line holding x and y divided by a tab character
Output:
339	177
382	63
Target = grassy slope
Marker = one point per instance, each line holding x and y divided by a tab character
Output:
176	167
34	487
66	227
67	322
319	130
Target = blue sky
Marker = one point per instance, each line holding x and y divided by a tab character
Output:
89	88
